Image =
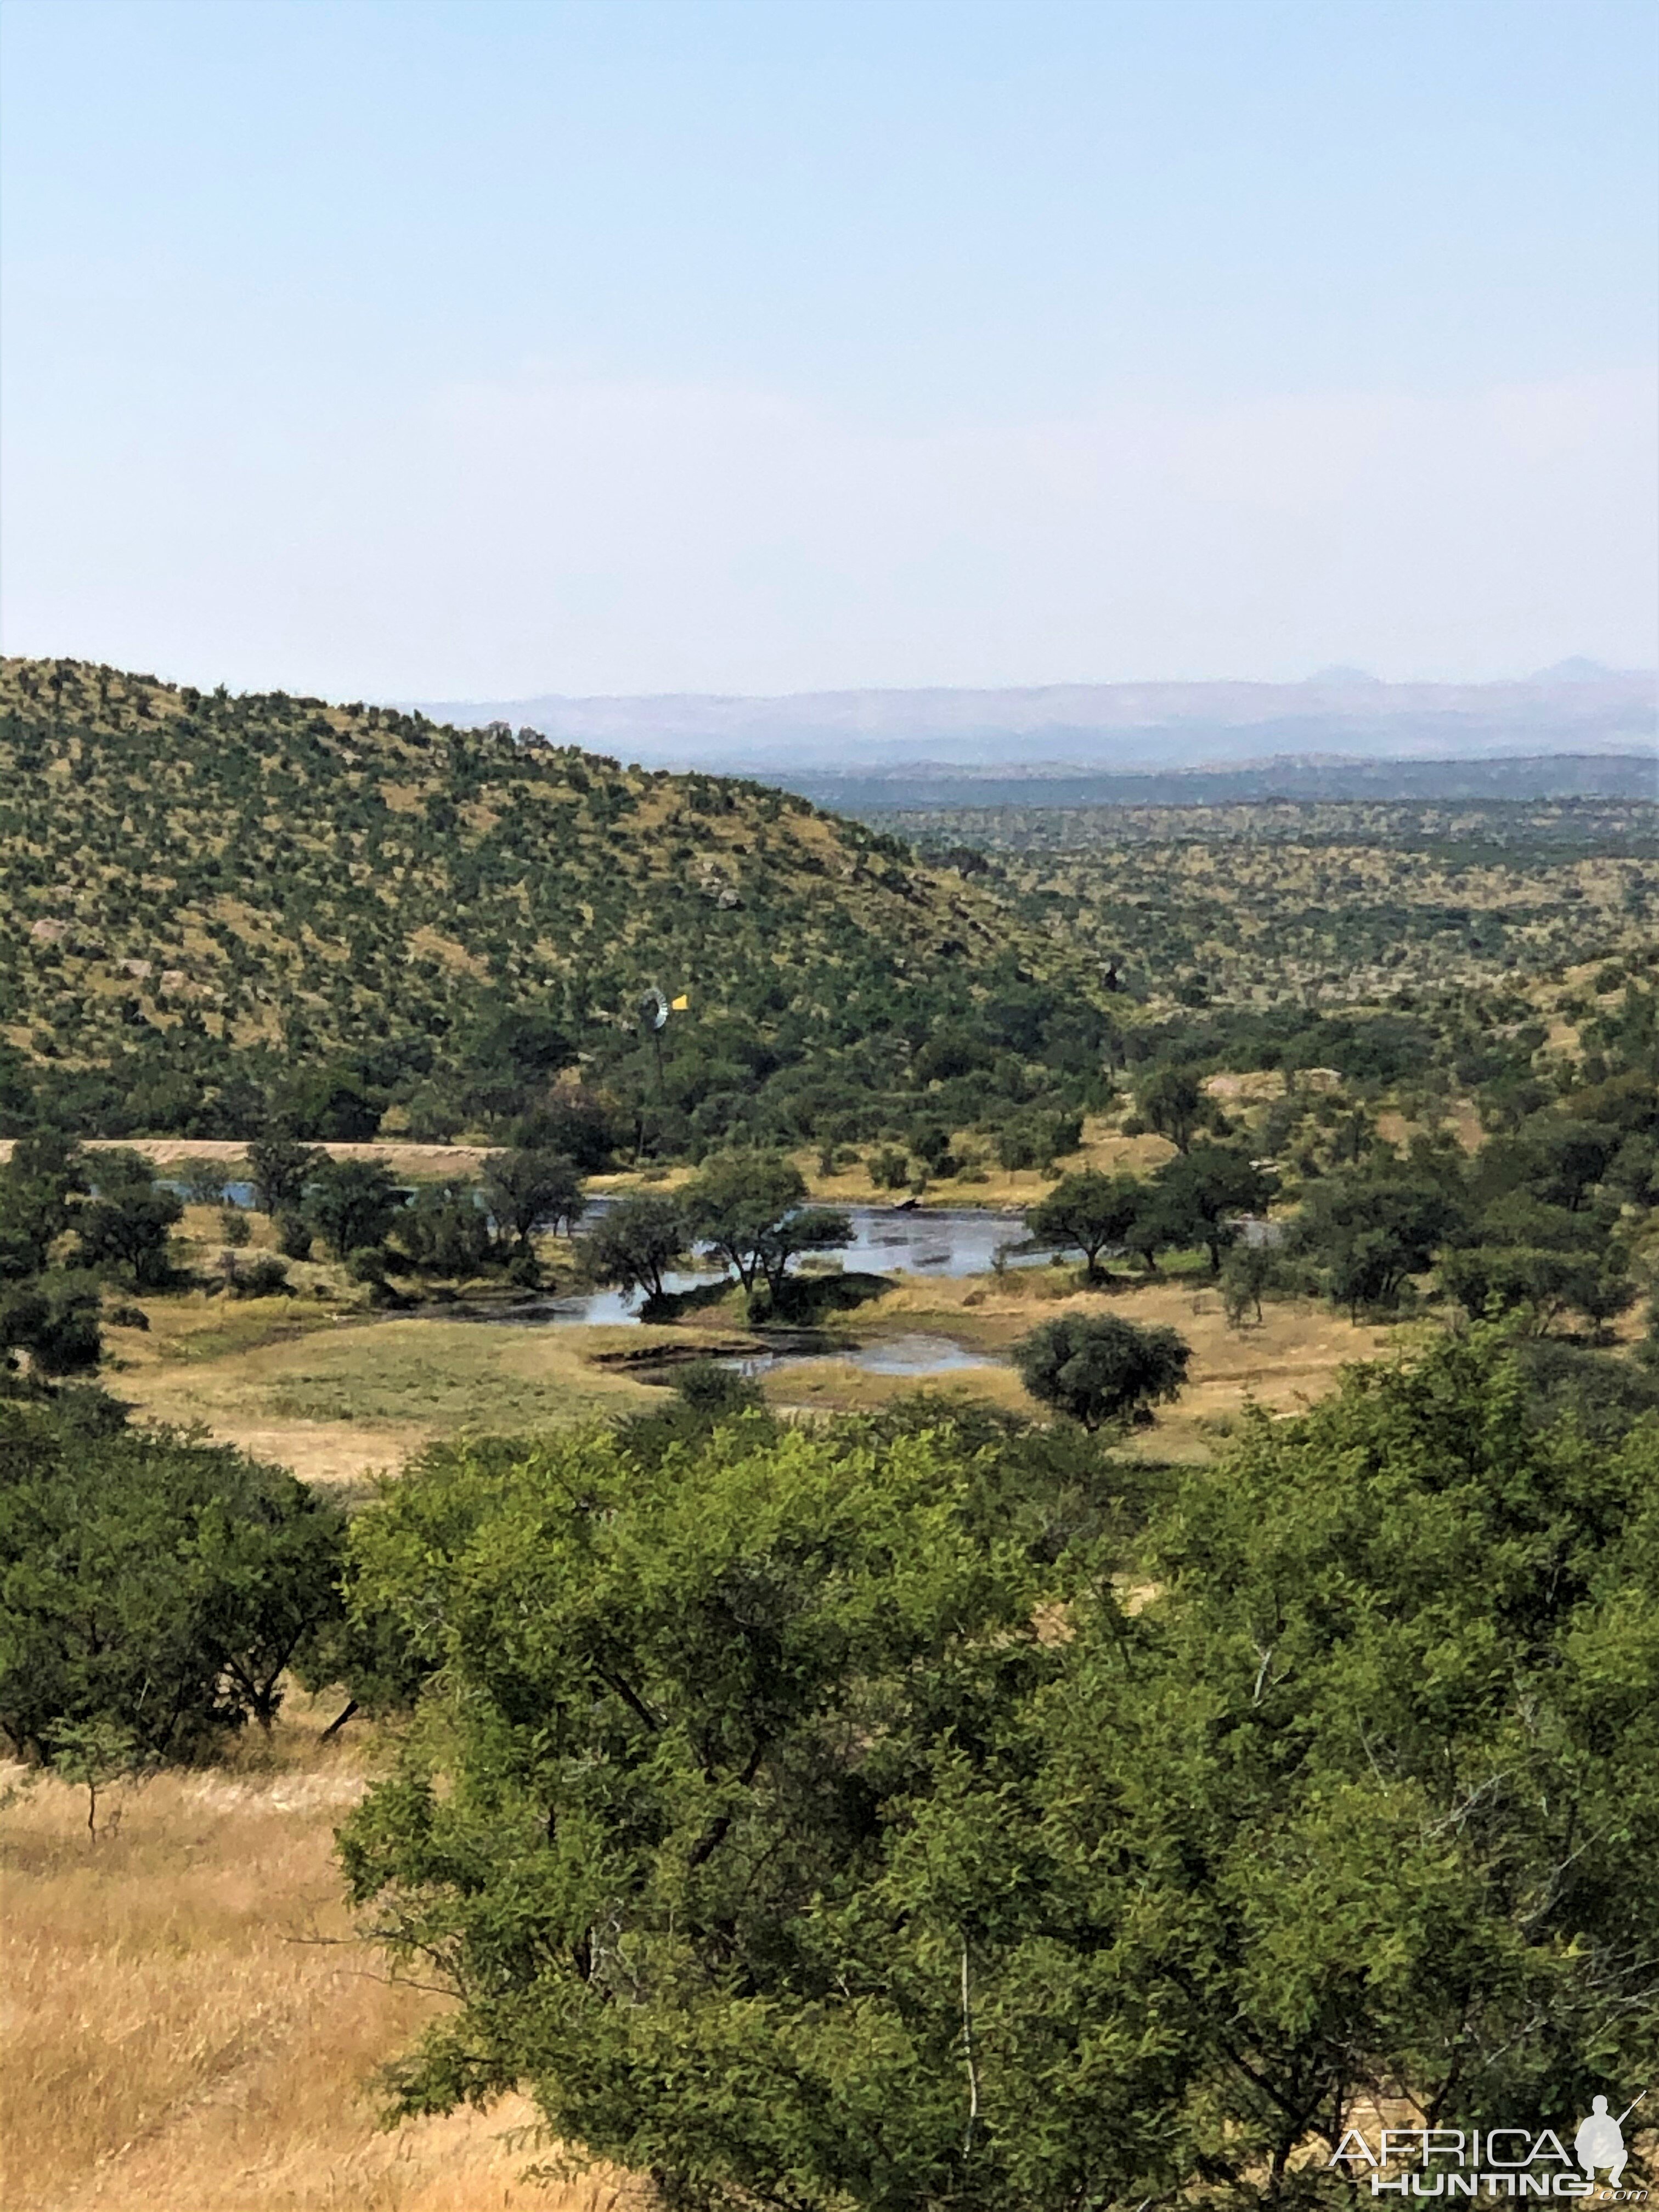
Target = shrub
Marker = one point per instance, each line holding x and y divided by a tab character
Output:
1103	1371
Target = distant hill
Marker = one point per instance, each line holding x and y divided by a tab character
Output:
216	906
1109	729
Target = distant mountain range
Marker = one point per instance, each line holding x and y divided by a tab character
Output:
825	740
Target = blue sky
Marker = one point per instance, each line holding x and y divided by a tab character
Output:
423	350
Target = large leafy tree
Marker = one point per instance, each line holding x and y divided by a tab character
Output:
1368	1230
55	1318
48	1313
278	1168
1378	1819
698	1702
1172	1101
635	1243
1543	1259
1197	1196
775	1841
1105	1371
529	1189
748	1208
40	1187
353	1204
1087	1212
150	1586
127	1222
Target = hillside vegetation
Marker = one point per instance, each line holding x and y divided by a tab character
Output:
216	908
1325	905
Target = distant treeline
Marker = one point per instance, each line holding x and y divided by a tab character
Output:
1556	775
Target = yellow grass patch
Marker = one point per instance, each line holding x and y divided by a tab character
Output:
175	2039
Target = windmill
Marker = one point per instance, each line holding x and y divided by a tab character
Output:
653	1018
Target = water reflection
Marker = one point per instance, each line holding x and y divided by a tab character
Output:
884	1239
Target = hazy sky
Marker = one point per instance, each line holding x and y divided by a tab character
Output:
398	347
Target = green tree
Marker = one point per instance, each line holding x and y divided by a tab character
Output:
747	1208
691	1707
126	1224
54	1318
1545	1259
1248	1272
764	1839
1174	1104
1087	1212
1197	1195
352	1204
1103	1371
445	1230
1368	1232
634	1244
279	1169
149	1583
39	1186
1382	1809
528	1190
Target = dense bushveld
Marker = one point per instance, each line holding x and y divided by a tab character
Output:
1317	903
221	913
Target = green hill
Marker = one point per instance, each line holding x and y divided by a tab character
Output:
220	911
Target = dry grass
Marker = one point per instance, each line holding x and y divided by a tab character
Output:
336	1399
174	2040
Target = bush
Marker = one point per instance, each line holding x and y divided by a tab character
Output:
149	1584
294	1235
1104	1372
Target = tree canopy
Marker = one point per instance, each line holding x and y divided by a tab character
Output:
1103	1371
795	1828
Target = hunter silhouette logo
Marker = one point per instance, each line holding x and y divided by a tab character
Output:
1600	2141
1495	2161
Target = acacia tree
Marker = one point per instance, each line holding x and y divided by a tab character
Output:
1105	1371
127	1222
1197	1194
767	1844
1088	1211
530	1189
352	1204
635	1243
1173	1103
278	1168
150	1587
747	1207
1369	1230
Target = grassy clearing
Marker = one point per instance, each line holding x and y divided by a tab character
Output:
175	2038
333	1400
